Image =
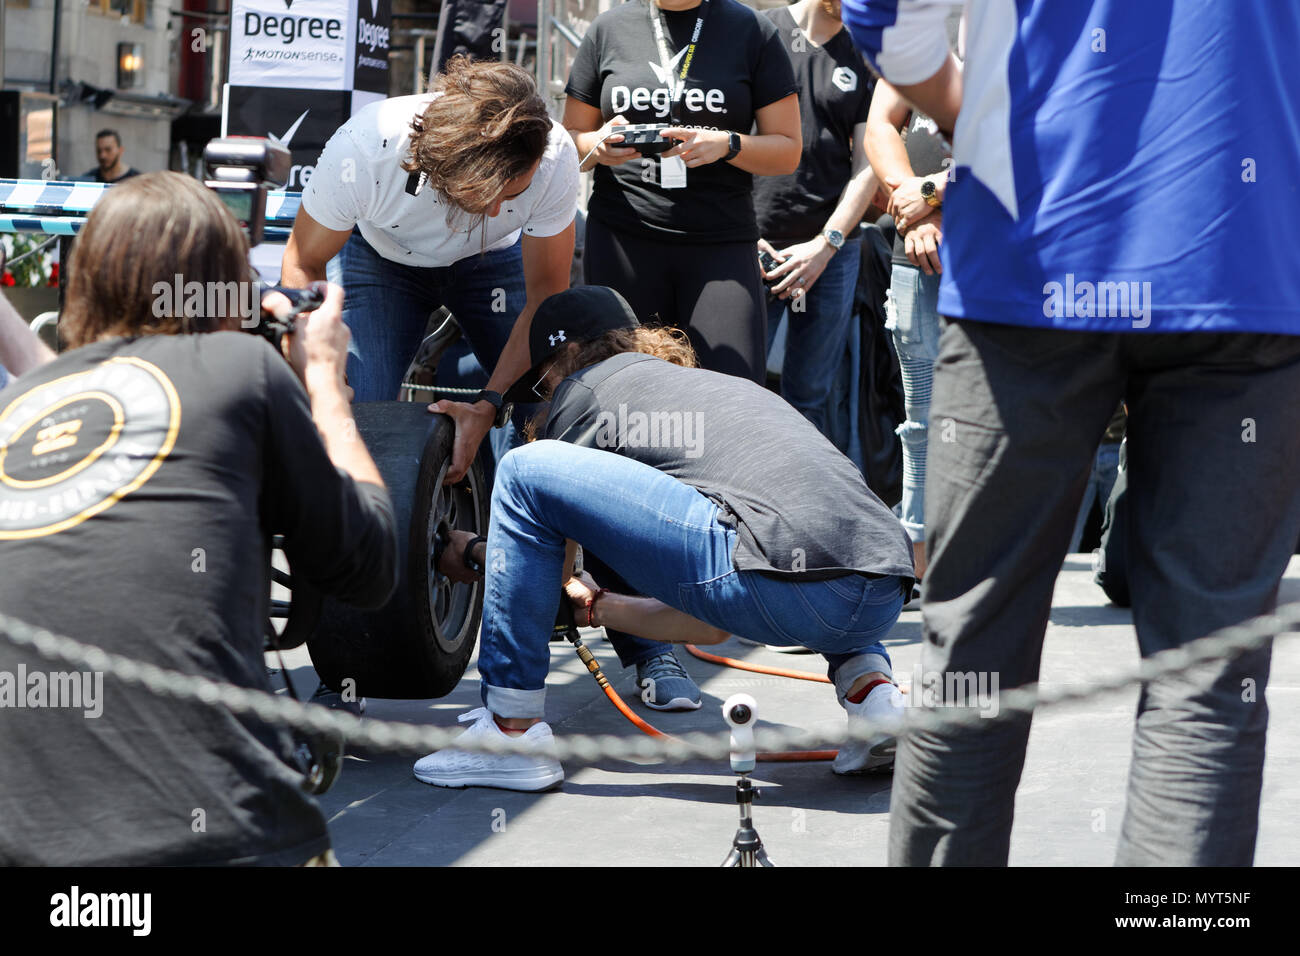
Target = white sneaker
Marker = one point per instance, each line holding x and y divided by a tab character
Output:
883	707
449	767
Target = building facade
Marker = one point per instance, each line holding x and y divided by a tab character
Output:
115	69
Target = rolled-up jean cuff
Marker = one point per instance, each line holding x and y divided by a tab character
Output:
856	667
512	702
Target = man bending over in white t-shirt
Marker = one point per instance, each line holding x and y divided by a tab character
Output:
465	197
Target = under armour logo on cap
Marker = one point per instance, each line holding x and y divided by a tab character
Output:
557	338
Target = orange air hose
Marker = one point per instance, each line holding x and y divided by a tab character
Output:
756	668
787	756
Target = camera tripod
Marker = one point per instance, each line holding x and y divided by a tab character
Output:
747	845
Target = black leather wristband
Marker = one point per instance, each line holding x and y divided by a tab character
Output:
468	557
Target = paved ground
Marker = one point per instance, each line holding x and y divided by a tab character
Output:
1070	804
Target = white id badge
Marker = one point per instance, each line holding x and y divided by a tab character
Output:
672	172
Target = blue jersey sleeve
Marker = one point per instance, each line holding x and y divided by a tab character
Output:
904	40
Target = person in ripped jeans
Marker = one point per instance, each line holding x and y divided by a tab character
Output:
657	468
914	173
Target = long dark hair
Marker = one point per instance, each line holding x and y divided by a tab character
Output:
488	126
152	229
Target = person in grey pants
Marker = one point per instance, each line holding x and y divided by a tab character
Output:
1213	520
1092	251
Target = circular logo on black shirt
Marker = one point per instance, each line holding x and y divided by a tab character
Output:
75	446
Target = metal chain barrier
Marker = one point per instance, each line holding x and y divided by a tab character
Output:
441	389
401	737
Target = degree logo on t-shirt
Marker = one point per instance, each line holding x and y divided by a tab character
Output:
667	77
659	100
75	446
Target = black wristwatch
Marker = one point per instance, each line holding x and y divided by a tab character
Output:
733	140
496	400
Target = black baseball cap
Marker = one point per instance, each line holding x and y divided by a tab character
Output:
574	315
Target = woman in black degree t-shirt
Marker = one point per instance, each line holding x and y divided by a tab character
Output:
685	253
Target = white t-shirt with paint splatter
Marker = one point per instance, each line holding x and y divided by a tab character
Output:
359	181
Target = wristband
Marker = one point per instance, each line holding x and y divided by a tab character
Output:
468	557
591	606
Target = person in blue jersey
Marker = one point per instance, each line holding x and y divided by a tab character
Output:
1106	155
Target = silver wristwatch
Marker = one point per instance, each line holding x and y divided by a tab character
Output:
834	237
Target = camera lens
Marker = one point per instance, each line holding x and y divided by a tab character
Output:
741	714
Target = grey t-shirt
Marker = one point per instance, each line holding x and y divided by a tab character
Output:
801	509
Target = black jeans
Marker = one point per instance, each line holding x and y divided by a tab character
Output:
1214	513
713	291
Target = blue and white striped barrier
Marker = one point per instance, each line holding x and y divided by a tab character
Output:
60	208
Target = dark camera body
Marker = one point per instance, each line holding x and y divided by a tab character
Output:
645	139
272	327
768	263
241	170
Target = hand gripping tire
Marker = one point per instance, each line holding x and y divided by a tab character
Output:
418	645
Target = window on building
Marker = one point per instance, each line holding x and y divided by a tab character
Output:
136	10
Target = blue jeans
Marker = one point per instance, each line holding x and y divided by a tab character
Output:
913	309
814	341
1105	469
387	306
664	538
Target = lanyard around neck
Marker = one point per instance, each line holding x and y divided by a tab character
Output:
676	89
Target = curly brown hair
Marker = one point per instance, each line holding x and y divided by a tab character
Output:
488	126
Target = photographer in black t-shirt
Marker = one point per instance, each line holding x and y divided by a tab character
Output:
142	475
